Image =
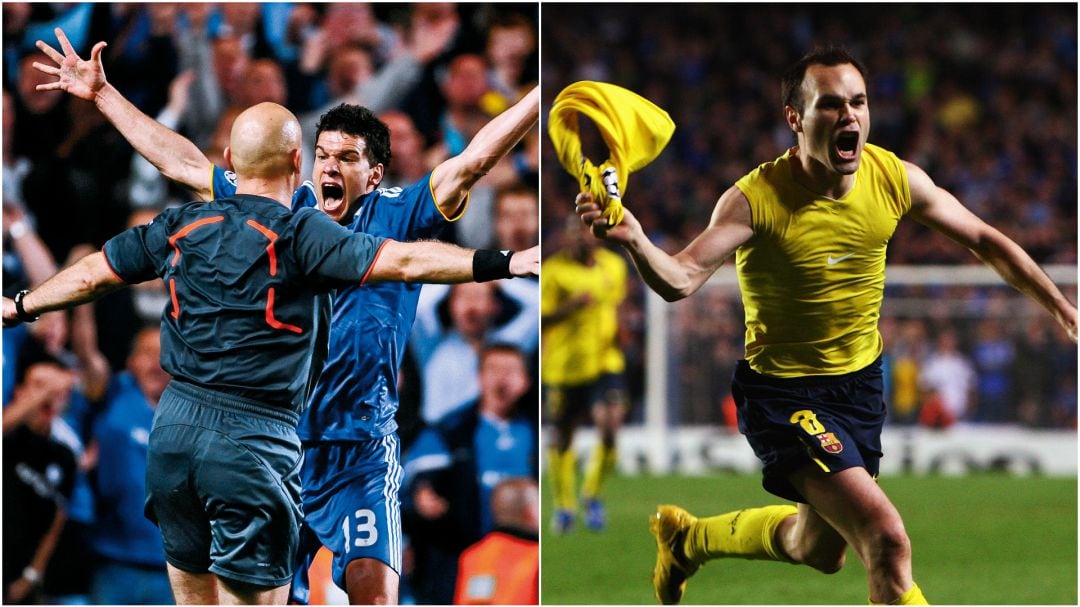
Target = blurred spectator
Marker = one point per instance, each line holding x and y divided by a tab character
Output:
906	354
948	379
503	568
130	564
453	467
510	53
453	324
39	475
993	355
407	148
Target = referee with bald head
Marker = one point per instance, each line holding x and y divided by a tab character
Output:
244	337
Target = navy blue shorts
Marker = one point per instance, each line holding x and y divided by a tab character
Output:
831	421
609	389
223	485
351	506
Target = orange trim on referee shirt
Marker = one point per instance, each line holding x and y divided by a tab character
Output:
272	237
373	260
272	253
111	269
172	294
189	228
184	231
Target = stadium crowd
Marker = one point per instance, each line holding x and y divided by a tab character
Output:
434	73
984	100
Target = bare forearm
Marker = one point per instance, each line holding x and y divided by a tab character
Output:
48	543
85	280
498	137
430	262
453	178
1018	269
37	261
667	275
84	343
436	262
175	156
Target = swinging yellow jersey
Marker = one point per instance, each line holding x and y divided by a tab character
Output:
812	275
582	346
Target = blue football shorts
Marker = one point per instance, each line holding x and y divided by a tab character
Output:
351	506
833	422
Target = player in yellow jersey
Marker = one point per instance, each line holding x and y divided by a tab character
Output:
809	232
582	364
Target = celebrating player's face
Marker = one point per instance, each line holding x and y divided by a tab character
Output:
341	172
836	117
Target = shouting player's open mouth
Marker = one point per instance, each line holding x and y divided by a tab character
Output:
333	196
847	145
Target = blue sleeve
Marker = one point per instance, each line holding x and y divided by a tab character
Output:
136	255
222	183
405	214
329	252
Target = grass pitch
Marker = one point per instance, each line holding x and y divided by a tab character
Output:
983	539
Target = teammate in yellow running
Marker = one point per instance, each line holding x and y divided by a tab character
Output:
582	365
809	232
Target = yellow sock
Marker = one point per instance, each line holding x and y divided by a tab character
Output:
601	464
913	596
747	534
562	466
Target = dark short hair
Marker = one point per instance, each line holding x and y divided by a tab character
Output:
359	121
791	83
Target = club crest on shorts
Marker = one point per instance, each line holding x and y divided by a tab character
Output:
830	443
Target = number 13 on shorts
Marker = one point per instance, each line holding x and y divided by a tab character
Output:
362	523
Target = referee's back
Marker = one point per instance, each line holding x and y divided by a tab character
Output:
246	277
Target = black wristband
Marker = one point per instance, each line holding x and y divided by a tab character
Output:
488	264
20	311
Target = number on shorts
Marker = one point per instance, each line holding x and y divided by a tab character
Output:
808	420
367	532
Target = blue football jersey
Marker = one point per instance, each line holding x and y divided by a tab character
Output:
357	395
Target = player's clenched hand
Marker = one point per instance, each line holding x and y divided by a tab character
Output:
525	263
591	214
73	74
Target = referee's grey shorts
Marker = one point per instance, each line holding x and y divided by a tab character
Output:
223	485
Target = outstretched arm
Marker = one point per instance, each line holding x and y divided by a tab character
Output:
443	263
940	210
452	179
677	276
85	280
175	156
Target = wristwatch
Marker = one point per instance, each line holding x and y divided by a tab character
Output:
20	311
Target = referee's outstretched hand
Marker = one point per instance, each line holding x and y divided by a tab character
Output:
525	263
80	78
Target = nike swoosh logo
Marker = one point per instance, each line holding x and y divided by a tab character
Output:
832	261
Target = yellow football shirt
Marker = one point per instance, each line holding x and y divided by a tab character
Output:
812	275
582	346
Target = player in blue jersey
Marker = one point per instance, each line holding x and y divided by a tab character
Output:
351	474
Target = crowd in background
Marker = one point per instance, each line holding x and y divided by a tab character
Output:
984	99
435	73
